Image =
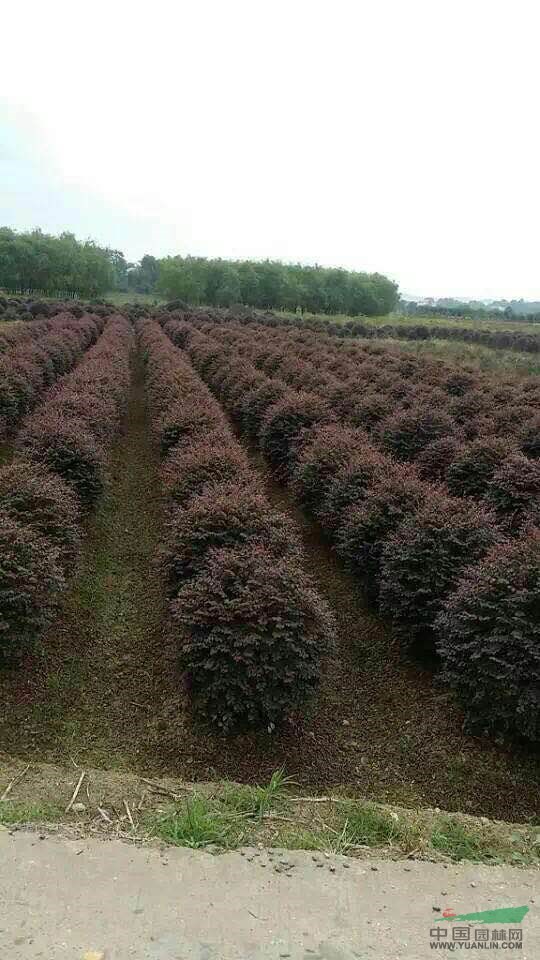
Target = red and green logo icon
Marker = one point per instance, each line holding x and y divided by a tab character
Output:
503	915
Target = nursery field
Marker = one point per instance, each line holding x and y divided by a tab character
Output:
233	543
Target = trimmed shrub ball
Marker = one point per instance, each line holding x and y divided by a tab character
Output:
197	465
41	500
350	484
406	433
469	474
30	583
489	640
186	419
433	462
514	491
366	526
329	448
424	559
368	410
65	448
284	422
252	633
224	517
530	438
256	402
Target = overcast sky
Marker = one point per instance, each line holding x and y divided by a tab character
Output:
392	135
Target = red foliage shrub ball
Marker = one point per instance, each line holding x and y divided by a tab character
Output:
284	422
66	449
367	410
424	559
330	447
468	475
30	583
514	491
530	438
406	433
224	517
489	640
199	464
366	526
252	633
434	460
256	402
350	484
185	420
40	500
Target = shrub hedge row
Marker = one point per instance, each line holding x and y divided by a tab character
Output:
502	339
251	628
31	364
56	474
437	539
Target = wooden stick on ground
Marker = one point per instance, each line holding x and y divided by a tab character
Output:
316	799
157	788
11	784
75	792
128	811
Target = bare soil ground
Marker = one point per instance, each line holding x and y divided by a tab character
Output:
103	688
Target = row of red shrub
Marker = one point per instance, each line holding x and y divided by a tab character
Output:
495	459
252	628
13	334
57	474
362	328
33	364
412	543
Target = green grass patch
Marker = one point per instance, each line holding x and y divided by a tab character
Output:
13	812
460	841
258	800
367	824
198	823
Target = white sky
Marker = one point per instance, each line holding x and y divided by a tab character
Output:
392	135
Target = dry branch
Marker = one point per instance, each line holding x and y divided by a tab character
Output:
75	792
11	784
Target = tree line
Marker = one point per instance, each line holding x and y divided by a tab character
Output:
272	284
37	261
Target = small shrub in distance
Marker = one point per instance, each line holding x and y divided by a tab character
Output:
488	635
224	517
424	559
40	500
30	582
252	633
469	473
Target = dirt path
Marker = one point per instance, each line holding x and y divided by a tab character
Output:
113	901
